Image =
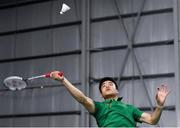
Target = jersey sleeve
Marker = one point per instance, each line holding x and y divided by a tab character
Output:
137	114
96	105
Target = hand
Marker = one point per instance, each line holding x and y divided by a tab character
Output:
57	75
162	93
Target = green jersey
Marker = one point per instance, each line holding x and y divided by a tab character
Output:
114	113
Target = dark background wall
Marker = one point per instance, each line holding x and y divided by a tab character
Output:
133	41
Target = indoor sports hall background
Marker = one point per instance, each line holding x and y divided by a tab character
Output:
134	41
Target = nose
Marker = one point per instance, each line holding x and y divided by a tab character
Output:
107	85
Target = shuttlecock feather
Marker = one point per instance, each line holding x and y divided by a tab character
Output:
64	8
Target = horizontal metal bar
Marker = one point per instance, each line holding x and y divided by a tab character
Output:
40	114
153	76
79	22
158	43
148	76
19	4
169	108
155	43
109	48
129	15
41	56
137	45
40	28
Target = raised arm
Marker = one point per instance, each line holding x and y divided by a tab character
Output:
76	93
161	95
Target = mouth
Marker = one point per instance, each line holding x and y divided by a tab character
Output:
108	89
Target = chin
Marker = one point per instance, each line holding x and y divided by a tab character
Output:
109	95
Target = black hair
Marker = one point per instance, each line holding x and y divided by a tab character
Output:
105	79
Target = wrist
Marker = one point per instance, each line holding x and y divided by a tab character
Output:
62	80
160	106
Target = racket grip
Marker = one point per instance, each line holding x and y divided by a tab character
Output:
48	74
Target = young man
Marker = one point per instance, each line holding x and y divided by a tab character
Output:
112	112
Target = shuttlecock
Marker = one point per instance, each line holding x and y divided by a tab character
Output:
64	8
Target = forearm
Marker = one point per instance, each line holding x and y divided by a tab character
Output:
152	118
155	116
161	95
76	93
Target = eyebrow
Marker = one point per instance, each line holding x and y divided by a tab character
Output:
107	81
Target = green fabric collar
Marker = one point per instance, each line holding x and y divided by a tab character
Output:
110	100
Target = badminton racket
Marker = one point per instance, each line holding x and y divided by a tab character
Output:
19	83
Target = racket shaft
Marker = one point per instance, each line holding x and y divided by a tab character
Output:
36	77
45	75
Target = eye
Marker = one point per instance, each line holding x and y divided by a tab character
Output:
103	85
111	83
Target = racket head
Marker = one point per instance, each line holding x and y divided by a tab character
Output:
14	83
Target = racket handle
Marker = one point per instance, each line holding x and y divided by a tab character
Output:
48	74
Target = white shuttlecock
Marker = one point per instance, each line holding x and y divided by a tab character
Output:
64	8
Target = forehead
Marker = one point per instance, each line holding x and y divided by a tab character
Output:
107	81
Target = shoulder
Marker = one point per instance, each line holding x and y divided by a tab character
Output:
134	108
98	105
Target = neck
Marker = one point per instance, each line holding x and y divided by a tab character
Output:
111	97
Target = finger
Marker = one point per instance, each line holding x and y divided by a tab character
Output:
169	91
166	88
56	79
51	74
160	88
163	87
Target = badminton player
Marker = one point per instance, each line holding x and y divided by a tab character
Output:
112	112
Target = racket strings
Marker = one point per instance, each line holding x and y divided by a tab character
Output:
15	83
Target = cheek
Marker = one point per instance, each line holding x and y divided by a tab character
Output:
103	90
114	87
